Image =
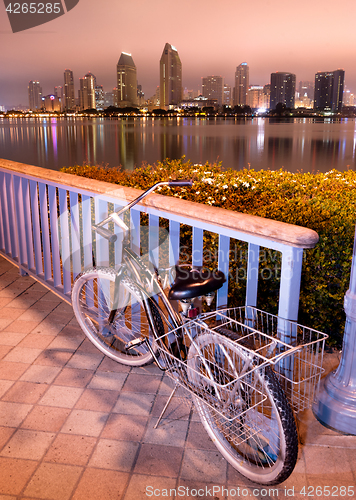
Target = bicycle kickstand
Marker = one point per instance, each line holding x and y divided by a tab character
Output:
166	406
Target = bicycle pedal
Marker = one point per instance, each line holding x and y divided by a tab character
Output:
135	343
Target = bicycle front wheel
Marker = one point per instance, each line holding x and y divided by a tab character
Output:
249	418
92	301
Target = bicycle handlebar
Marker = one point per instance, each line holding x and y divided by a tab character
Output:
106	233
180	183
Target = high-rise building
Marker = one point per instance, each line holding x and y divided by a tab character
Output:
242	78
35	95
87	92
348	98
99	97
306	89
266	95
328	90
227	95
68	91
140	95
305	95
256	97
58	92
126	81
171	90
109	99
282	89
213	88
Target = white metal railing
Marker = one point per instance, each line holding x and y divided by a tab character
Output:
45	229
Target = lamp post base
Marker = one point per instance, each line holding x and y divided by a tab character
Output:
334	407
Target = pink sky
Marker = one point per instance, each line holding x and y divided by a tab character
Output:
212	38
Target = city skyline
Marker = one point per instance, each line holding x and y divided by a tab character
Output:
306	39
127	79
325	94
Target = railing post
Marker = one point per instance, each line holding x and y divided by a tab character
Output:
252	274
291	271
335	404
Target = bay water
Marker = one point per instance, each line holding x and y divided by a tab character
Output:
308	145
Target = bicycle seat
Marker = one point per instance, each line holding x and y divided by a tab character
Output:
190	283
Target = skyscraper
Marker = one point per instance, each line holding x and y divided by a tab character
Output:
227	95
282	89
68	91
306	89
328	92
99	97
87	92
305	94
213	88
58	92
242	77
266	95
35	95
171	90
126	81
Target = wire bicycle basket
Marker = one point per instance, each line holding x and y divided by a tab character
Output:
255	340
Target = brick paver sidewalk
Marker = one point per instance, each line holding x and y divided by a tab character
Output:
76	425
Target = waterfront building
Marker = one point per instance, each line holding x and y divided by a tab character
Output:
58	92
328	93
171	90
68	91
126	81
99	97
198	102
190	94
227	95
87	92
140	95
267	96
109	98
51	103
305	95
242	77
282	89
34	95
306	89
255	96
348	97
213	88
155	101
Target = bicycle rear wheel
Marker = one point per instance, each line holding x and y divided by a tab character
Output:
249	419
92	301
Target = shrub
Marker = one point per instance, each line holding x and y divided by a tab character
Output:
323	202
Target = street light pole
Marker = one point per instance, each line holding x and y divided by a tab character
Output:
335	404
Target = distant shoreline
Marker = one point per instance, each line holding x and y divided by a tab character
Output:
73	116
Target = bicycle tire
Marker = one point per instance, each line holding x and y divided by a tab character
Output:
92	297
262	442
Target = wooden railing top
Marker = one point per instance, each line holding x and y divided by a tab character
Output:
281	232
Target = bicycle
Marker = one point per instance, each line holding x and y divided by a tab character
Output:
224	358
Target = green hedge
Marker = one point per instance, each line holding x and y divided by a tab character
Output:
323	202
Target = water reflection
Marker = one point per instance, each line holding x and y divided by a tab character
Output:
279	152
259	143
